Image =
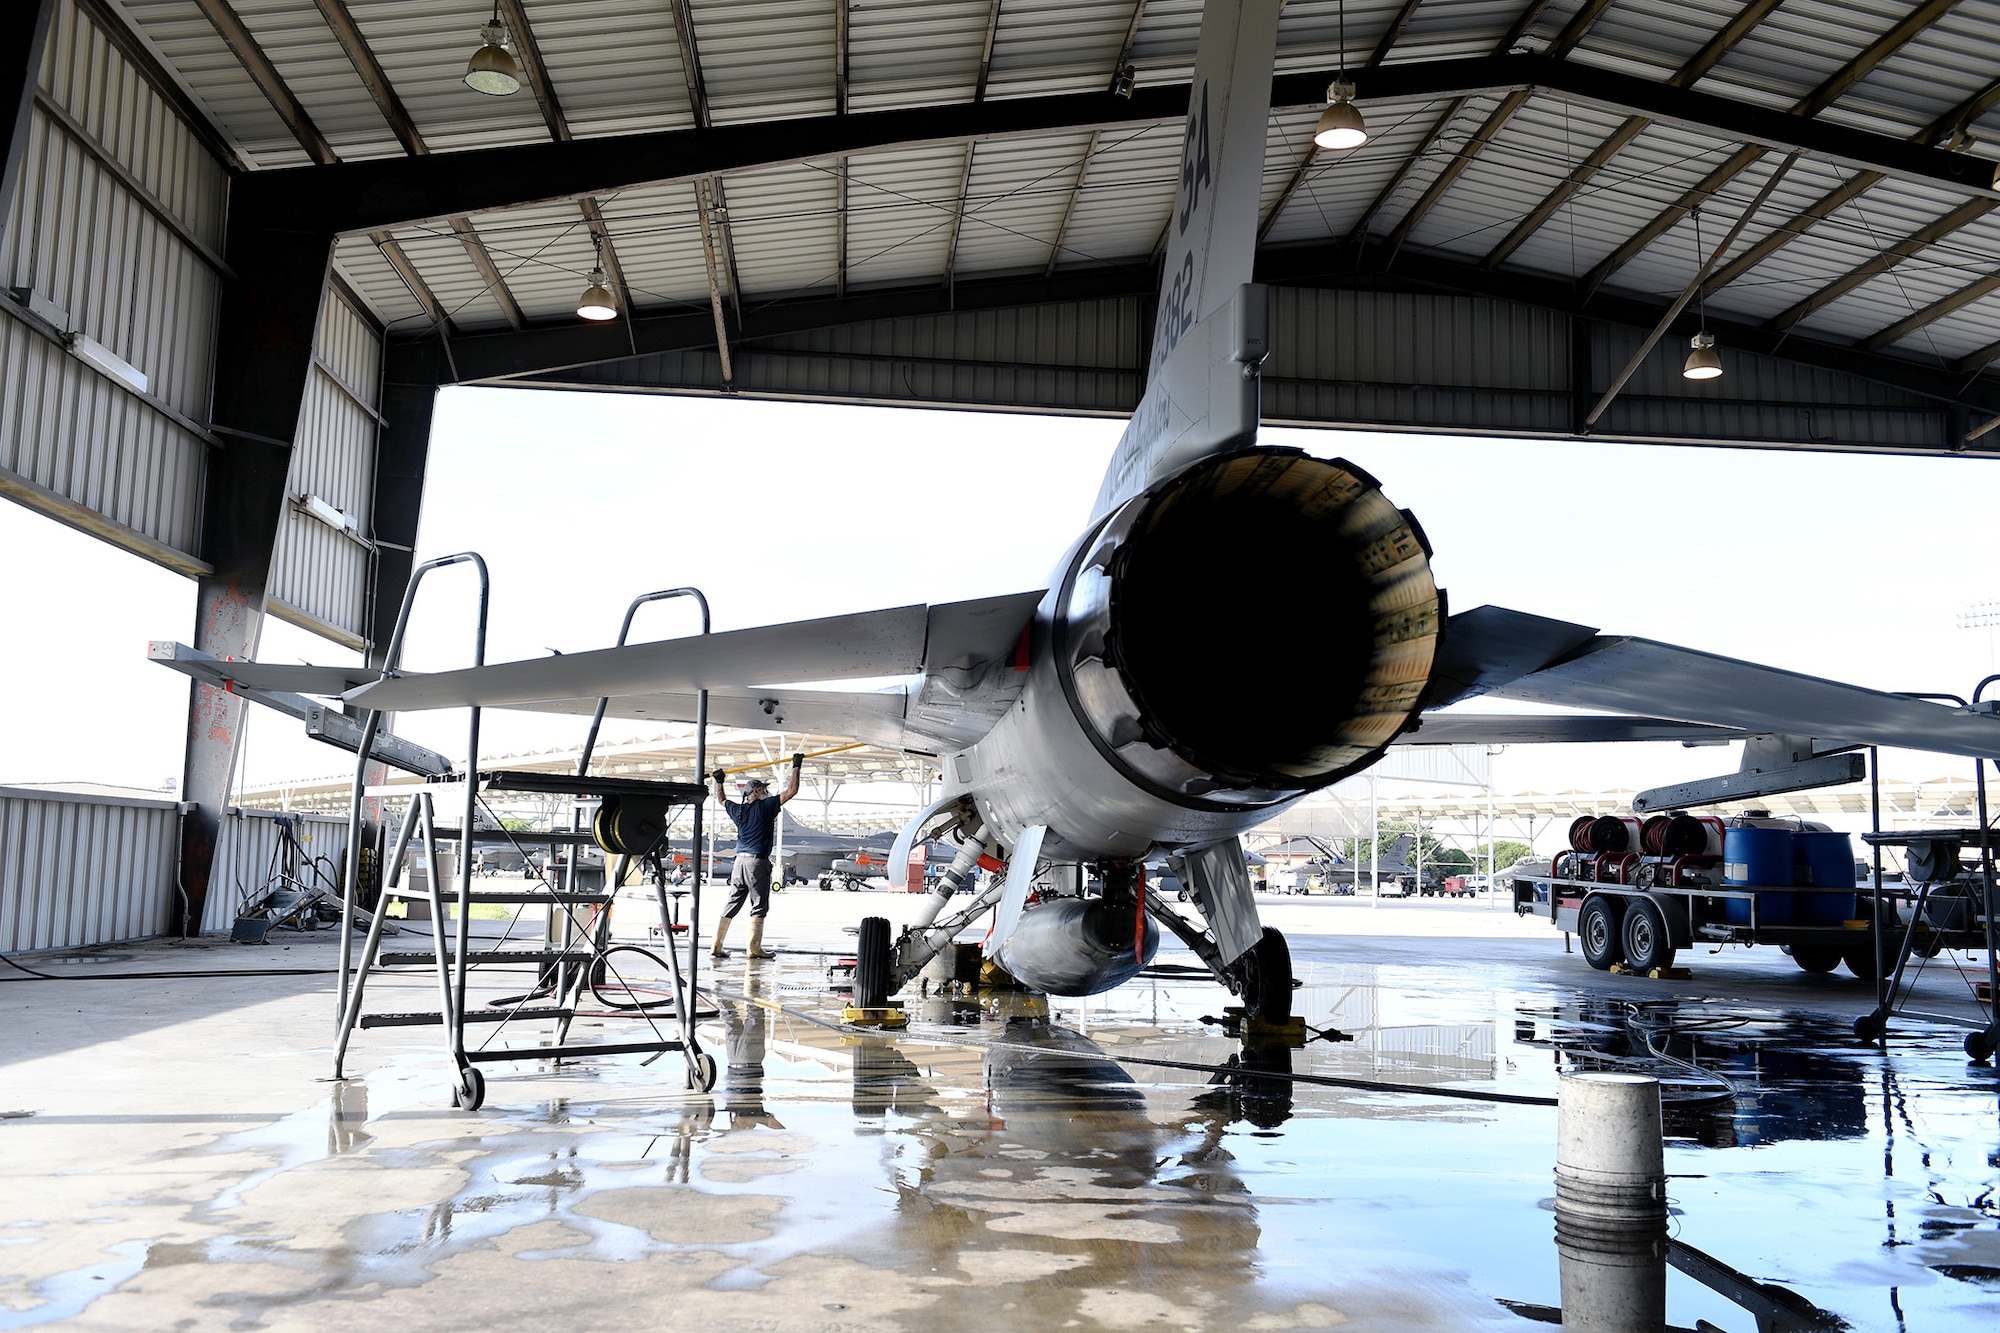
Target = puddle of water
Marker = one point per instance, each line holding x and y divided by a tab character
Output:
1037	1161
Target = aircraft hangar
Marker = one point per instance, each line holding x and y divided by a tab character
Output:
249	241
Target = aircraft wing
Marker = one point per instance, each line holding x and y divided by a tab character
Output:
658	681
875	717
1512	655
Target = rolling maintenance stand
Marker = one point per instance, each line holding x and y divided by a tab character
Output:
632	822
1953	906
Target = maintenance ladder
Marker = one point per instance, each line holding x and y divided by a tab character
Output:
631	824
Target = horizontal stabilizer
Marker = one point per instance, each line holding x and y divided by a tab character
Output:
273	677
1687	685
891	642
1488	646
1545	729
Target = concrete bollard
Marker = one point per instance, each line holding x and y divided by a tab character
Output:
1611	1204
1609	1156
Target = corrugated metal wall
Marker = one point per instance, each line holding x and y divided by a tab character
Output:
82	870
319	573
1386	360
77	870
1080	357
116	224
243	858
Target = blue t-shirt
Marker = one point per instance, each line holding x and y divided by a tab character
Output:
755	821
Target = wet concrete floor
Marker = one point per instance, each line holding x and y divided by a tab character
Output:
173	1156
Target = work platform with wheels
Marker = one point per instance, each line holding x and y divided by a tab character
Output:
577	956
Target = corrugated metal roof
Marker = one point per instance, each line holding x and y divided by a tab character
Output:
617	68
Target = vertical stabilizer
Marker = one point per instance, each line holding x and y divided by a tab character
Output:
1210	333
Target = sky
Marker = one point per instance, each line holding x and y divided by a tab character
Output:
1853	567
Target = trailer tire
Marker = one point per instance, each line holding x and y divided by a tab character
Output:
1598	933
1647	945
1815	957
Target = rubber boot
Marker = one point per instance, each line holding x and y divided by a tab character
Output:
757	949
721	929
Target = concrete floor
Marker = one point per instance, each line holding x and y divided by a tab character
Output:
174	1156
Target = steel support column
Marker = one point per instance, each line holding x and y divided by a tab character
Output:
270	312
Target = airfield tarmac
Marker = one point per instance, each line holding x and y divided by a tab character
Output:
174	1158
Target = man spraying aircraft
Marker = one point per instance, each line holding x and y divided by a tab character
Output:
756	819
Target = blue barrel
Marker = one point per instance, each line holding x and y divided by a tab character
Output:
1825	861
1756	857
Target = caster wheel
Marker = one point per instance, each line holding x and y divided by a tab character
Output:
1870	1027
701	1073
1978	1047
468	1093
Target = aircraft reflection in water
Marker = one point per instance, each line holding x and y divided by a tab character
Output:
1789	1077
1068	1152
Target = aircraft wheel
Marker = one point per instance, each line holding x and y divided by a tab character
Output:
1267	978
1647	944
1816	957
871	964
1597	932
468	1090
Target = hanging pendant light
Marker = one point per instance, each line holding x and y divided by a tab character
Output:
493	69
597	302
1703	362
1340	126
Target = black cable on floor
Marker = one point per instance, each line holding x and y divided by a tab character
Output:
189	974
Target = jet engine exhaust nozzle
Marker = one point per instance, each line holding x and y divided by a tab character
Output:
1161	612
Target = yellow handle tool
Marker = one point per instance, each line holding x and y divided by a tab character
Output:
774	763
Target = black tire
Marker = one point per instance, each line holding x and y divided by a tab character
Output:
1860	955
1647	944
871	964
1597	932
468	1091
701	1073
1870	1027
1815	957
1267	978
1979	1046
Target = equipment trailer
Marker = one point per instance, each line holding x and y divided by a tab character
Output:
1642	926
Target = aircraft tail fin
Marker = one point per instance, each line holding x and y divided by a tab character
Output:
1211	331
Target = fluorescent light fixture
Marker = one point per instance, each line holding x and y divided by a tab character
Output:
1702	362
96	355
1341	126
328	513
41	307
493	69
